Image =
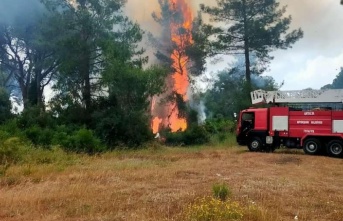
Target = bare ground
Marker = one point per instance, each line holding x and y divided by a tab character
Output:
158	184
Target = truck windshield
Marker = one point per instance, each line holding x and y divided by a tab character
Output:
248	116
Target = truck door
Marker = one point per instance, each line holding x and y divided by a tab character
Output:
245	124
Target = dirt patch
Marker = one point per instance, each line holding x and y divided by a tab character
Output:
286	159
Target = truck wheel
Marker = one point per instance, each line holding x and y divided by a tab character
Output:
312	146
335	148
255	144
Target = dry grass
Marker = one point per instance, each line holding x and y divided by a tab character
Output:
158	184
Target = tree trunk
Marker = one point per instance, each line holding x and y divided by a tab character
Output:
87	86
246	47
39	90
85	68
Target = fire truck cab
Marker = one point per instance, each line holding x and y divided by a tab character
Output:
309	119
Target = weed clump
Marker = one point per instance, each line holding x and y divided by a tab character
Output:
221	207
210	208
221	191
10	151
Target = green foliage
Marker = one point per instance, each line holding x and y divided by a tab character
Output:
197	135
175	139
116	127
221	191
33	134
29	45
5	105
220	125
90	51
39	136
55	155
10	128
337	83
4	134
198	51
10	151
231	93
217	128
34	116
194	135
83	141
122	117
62	134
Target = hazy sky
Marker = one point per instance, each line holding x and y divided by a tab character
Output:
316	59
313	61
19	11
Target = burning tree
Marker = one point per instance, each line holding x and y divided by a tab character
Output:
169	109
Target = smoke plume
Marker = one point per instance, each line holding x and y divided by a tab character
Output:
20	12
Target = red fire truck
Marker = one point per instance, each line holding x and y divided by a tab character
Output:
307	119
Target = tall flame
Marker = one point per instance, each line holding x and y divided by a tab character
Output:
180	31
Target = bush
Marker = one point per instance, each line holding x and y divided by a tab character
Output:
4	135
55	155
195	135
45	138
11	127
35	117
175	139
83	141
39	136
10	151
60	138
220	125
221	191
5	105
115	127
33	134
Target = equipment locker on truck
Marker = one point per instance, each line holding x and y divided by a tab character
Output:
307	119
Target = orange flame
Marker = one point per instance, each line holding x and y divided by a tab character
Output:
181	37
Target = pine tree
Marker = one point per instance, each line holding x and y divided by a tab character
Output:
252	28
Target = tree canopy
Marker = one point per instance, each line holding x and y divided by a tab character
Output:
337	83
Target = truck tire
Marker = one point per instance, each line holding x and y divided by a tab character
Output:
255	144
312	146
335	148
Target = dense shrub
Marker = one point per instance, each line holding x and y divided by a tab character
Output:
40	136
175	139
10	151
220	125
83	141
34	116
5	105
4	135
195	135
61	135
33	134
115	127
11	127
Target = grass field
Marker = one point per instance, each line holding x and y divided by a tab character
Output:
159	183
